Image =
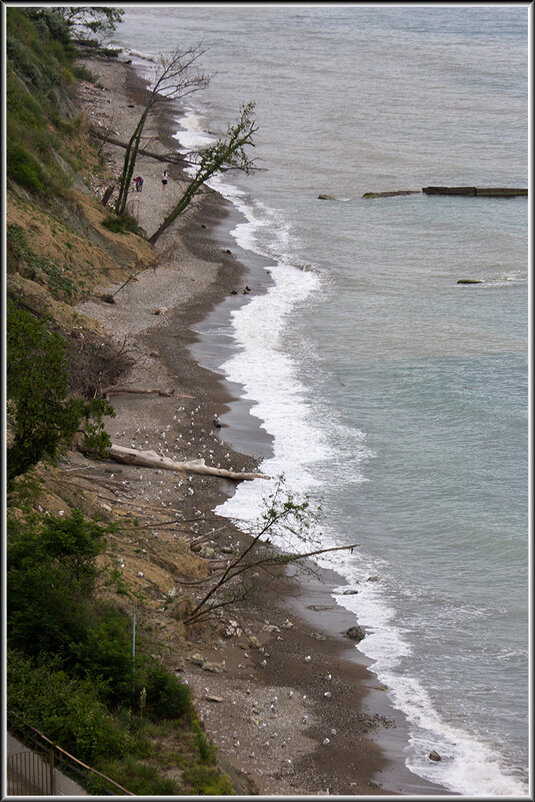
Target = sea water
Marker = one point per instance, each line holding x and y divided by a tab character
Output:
394	395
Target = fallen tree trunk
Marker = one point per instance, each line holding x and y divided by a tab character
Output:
115	390
150	459
172	158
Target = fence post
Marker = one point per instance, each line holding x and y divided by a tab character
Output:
133	653
52	777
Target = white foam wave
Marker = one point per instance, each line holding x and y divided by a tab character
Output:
468	765
138	54
192	135
268	377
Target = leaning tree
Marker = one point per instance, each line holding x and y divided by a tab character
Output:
176	76
226	153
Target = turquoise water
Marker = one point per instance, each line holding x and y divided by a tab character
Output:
395	395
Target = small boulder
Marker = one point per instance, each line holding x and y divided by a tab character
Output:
215	668
434	756
355	633
161	310
326	197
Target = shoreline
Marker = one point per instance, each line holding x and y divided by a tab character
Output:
163	351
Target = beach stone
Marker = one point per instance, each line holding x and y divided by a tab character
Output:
349	592
232	630
469	281
214	668
207	552
434	756
270	628
161	310
180	609
355	633
197	659
326	197
317	636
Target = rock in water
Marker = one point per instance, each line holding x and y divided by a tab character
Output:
434	756
355	633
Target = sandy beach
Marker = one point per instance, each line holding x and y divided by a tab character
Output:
292	705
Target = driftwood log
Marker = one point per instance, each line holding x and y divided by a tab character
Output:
150	459
117	390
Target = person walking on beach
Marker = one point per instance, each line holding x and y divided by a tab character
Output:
164	179
139	183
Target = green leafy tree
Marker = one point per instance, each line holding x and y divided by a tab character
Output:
41	417
51	573
226	153
176	77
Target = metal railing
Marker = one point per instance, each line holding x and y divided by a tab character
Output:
29	775
36	772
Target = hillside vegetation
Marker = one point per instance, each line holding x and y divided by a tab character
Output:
70	670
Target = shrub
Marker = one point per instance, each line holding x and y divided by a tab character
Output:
68	710
43	419
207	750
167	697
24	168
51	572
122	224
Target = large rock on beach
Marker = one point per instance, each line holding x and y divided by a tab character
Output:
355	633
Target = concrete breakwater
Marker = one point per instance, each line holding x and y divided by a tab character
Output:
483	192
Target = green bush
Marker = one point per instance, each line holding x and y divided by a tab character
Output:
51	571
69	710
43	419
207	750
167	697
105	652
122	224
24	168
